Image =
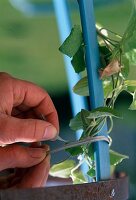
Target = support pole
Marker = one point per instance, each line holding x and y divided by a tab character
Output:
64	26
95	85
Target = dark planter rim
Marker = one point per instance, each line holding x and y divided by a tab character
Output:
113	189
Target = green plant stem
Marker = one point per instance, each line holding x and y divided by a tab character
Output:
111	103
102	123
106	38
111	125
77	166
116	34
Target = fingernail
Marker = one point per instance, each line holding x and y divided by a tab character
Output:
37	152
50	133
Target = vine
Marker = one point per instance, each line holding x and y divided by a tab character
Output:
117	54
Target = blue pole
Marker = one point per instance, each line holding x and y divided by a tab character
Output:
95	85
64	26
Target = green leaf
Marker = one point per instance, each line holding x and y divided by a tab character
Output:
72	42
107	87
130	83
116	158
63	169
84	117
76	122
130	89
78	177
130	86
78	61
129	38
80	121
125	65
91	152
81	88
131	56
104	112
91	172
75	151
133	105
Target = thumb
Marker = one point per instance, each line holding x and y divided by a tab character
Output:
15	156
24	130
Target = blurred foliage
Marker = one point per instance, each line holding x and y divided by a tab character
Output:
29	45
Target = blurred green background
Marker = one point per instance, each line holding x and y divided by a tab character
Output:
29	45
29	50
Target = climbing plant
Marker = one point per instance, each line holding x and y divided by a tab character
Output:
117	55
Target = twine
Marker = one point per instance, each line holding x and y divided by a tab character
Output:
88	140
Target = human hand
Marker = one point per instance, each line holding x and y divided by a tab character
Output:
21	106
31	166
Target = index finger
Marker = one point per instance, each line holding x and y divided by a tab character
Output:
31	95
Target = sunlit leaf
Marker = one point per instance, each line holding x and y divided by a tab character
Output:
81	88
130	83
116	158
63	169
107	86
78	61
78	177
130	86
72	42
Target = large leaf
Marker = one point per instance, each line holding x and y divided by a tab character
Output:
63	169
133	105
75	151
78	177
104	112
78	61
129	38
81	88
116	158
73	42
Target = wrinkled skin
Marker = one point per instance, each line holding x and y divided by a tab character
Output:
21	106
